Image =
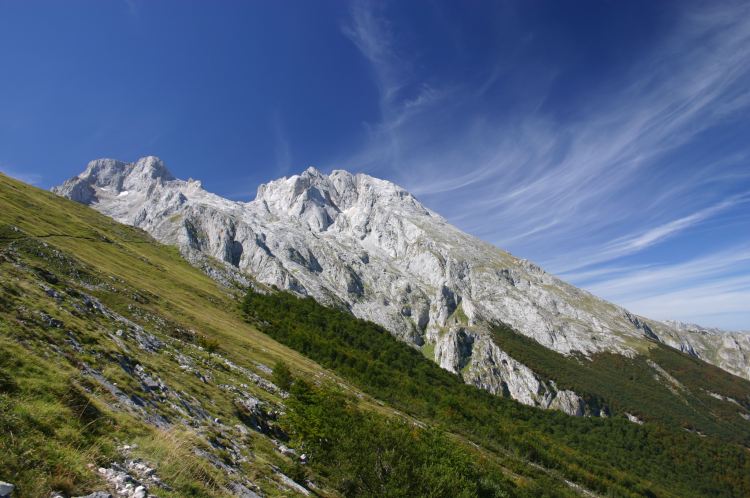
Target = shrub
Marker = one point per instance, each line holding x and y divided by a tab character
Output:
282	376
210	344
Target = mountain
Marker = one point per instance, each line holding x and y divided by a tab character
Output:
368	246
125	371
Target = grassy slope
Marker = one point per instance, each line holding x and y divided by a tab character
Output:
60	420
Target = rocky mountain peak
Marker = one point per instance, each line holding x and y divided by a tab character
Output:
309	196
110	176
319	199
154	167
112	173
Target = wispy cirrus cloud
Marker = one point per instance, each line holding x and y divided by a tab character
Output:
617	177
633	243
713	288
370	31
401	97
281	147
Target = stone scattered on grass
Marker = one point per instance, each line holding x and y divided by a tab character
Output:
6	489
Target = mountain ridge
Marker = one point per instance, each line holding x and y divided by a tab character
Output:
368	245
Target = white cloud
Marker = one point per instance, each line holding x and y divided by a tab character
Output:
370	31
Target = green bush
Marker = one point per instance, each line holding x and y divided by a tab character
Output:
282	376
365	454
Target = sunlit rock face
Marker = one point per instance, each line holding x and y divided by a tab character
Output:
370	246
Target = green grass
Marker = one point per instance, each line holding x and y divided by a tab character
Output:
428	350
50	425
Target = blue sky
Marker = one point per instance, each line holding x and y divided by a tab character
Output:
607	141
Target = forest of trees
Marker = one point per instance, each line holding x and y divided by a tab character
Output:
609	456
631	385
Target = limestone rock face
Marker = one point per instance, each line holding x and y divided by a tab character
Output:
368	245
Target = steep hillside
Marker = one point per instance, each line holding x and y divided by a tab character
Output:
123	367
368	246
118	356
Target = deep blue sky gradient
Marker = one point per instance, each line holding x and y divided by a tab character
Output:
608	141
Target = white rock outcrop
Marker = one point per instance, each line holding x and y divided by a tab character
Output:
368	245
